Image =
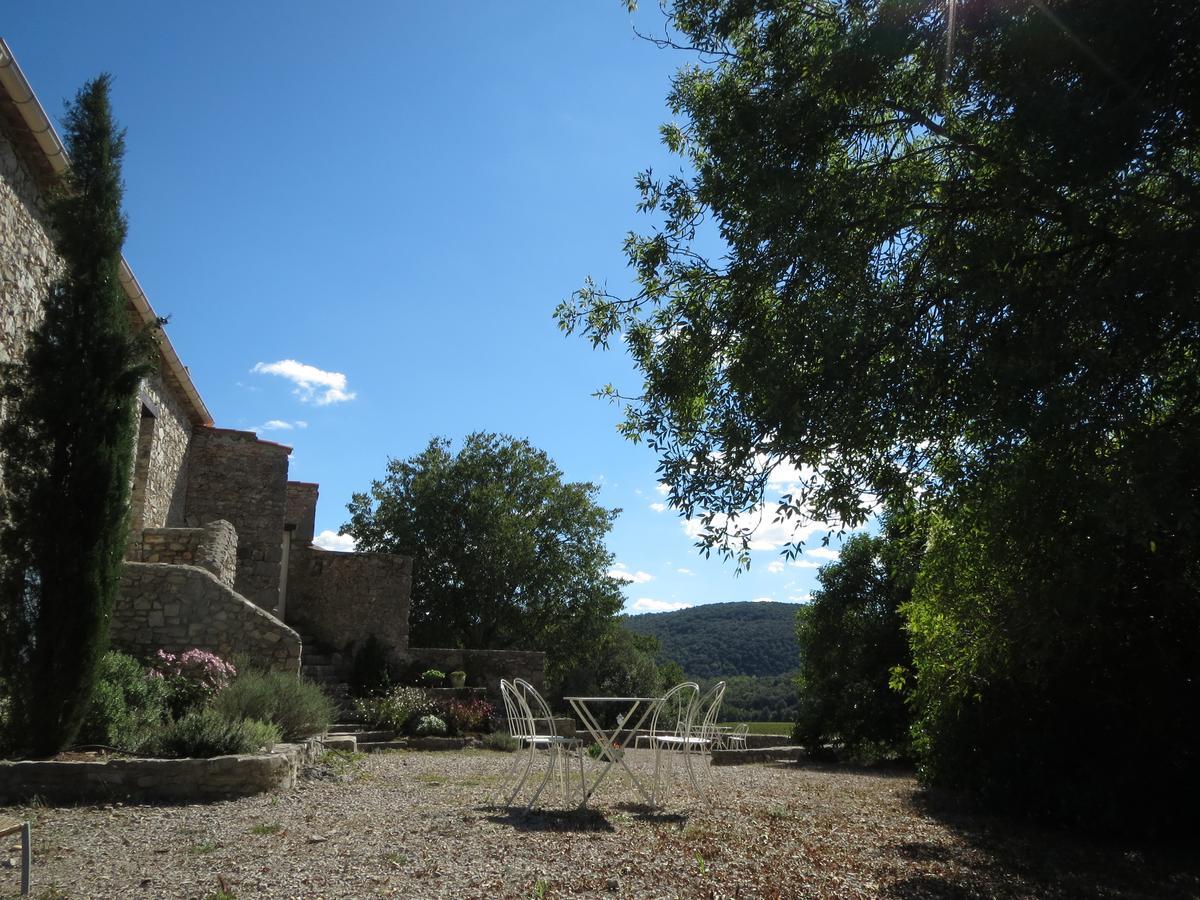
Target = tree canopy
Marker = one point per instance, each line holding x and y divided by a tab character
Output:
947	251
67	445
907	239
506	554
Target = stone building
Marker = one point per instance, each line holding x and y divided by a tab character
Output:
221	553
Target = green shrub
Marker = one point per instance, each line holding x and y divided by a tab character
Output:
206	733
501	741
394	709
127	704
429	725
298	707
370	675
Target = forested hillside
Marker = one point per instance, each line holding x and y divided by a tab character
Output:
725	639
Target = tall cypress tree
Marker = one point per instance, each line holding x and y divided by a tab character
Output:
68	446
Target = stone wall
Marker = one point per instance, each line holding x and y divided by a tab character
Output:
155	780
302	510
233	475
179	607
484	668
27	259
342	598
213	547
165	487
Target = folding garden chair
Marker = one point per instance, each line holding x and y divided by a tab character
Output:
697	739
527	728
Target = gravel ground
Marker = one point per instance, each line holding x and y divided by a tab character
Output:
423	825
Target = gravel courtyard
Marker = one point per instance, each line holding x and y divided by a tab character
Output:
423	825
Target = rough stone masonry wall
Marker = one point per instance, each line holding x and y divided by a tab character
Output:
27	259
302	510
234	476
177	608
342	598
28	265
165	487
213	547
484	668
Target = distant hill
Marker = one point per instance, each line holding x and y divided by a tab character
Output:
724	639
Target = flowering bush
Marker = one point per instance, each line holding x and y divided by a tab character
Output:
394	710
193	677
429	726
467	715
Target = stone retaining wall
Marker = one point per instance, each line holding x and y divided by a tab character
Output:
180	607
484	668
155	780
342	598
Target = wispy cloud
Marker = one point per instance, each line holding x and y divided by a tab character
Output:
331	540
799	598
804	564
650	605
824	553
763	600
775	566
313	385
658	507
279	425
663	488
621	572
683	571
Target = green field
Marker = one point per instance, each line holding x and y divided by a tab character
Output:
784	728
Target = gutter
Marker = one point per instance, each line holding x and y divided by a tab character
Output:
18	89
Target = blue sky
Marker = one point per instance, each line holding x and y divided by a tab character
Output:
359	219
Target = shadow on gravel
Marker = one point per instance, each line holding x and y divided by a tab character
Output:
1005	857
551	819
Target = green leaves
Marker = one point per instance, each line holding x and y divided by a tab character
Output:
505	553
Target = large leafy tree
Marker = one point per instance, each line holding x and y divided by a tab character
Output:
505	553
910	237
948	248
67	446
852	640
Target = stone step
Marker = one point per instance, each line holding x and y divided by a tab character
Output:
364	736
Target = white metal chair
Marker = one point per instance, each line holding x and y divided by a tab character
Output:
736	739
526	727
669	724
700	736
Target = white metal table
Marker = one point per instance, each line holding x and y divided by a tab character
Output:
607	740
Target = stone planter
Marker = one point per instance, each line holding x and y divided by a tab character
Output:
155	780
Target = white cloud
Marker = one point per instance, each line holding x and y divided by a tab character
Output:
621	572
279	425
650	605
804	564
799	598
824	553
775	566
685	571
763	600
663	488
331	540
769	534
658	507
312	384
